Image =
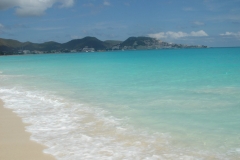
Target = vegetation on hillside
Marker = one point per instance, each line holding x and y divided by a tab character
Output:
9	46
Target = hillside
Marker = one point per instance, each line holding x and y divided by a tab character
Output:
140	43
87	44
111	43
90	42
135	41
9	43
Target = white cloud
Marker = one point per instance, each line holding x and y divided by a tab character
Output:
176	35
159	35
66	3
106	3
237	34
200	33
5	4
33	7
198	23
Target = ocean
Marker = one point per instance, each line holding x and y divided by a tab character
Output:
141	105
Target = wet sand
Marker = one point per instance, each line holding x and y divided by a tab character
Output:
15	143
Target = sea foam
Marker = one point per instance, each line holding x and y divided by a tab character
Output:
76	131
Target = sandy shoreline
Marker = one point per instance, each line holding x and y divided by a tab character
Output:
15	143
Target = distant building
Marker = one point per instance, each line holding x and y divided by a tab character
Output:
37	52
73	51
86	49
26	52
117	47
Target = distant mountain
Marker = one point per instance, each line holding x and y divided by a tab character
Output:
140	43
9	43
111	43
90	42
136	41
9	46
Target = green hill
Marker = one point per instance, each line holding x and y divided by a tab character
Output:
10	43
90	42
138	41
12	46
111	43
9	46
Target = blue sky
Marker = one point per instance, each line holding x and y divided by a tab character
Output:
215	23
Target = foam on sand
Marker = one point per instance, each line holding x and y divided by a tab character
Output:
76	131
15	142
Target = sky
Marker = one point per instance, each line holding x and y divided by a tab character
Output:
215	23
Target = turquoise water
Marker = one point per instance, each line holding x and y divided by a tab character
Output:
158	104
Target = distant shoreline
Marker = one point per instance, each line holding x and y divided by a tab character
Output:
109	51
87	44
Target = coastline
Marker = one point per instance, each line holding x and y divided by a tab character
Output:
15	143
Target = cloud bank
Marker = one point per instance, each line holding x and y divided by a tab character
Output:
176	35
237	34
33	7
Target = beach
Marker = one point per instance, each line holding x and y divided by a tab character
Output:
15	143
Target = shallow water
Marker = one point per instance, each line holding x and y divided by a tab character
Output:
159	104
